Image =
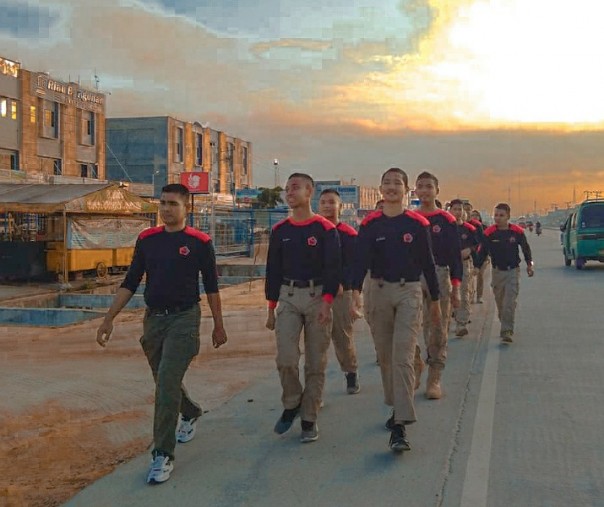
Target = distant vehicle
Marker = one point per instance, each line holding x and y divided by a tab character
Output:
522	222
583	234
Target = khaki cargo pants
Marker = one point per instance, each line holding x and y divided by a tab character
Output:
435	337
462	314
341	332
506	286
395	311
479	280
170	342
299	309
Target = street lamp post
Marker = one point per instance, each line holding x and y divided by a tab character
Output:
276	166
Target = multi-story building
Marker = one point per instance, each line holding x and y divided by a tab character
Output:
49	130
156	150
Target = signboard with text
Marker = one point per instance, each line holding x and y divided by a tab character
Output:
247	195
348	193
66	93
197	182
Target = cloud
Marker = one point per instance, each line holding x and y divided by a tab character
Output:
26	20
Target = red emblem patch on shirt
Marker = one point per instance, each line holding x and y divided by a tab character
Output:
436	229
312	241
184	250
408	238
464	236
512	239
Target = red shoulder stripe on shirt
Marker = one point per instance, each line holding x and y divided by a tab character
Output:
516	228
450	218
490	230
469	226
347	229
151	231
475	223
190	231
280	223
372	216
416	216
327	225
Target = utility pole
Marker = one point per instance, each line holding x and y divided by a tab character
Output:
276	166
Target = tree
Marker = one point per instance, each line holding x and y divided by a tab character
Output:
269	197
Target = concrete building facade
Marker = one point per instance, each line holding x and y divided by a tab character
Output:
49	130
155	150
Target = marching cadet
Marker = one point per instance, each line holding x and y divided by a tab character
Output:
379	206
330	206
501	241
394	245
468	240
478	280
449	271
303	273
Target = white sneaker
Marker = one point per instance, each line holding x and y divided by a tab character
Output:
160	470
186	430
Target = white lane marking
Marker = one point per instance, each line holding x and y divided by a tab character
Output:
476	484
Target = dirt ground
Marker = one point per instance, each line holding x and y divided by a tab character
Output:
71	412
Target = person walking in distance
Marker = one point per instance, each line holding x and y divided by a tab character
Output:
449	271
330	206
468	240
502	242
478	280
171	256
394	245
303	275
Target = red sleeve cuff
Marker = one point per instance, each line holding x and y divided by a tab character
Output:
328	298
455	282
272	305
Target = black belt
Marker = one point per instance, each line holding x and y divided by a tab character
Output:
169	310
390	279
302	284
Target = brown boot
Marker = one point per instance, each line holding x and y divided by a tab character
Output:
433	391
418	367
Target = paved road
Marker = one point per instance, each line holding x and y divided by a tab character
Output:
519	425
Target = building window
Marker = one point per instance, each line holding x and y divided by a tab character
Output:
14	161
13	110
51	119
84	170
87	127
94	171
9	160
244	162
3	107
32	114
199	150
179	145
57	167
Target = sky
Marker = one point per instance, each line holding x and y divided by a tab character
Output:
501	99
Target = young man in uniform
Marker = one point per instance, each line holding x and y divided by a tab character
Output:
478	280
330	206
449	270
303	274
468	240
171	256
501	241
394	245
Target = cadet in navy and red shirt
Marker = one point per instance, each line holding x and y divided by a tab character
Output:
171	256
330	206
449	270
478	279
502	242
394	245
303	275
468	240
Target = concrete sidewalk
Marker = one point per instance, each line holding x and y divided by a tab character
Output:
237	460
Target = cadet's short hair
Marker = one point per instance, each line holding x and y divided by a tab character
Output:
177	188
505	207
304	176
427	176
475	211
379	203
330	191
397	171
456	201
